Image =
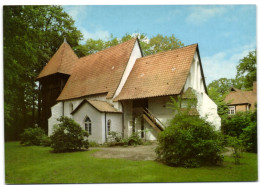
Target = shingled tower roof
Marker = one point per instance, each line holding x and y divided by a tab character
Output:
62	61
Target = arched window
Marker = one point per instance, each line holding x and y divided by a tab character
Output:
108	126
71	107
88	127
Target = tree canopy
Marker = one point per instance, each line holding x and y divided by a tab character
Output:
247	69
150	46
246	75
32	34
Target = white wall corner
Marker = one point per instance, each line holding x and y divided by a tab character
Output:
56	112
136	53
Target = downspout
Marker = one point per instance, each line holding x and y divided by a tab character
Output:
62	108
123	125
106	126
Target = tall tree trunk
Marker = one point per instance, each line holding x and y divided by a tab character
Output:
39	105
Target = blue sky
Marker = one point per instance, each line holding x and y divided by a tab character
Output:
224	33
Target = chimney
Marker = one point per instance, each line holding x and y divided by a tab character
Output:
254	87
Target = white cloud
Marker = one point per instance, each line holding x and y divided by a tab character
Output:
77	12
223	64
99	34
200	14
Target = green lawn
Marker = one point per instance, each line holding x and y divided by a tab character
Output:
36	164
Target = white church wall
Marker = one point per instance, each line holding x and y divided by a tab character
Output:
96	121
128	109
116	122
136	53
206	107
56	112
159	106
194	79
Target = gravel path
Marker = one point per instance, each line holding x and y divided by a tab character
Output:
142	152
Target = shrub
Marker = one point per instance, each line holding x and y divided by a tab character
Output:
45	141
32	136
68	136
134	139
242	125
117	140
189	141
249	137
93	144
236	145
233	125
115	136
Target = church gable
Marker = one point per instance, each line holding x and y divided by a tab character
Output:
98	73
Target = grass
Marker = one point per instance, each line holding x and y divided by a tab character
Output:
35	164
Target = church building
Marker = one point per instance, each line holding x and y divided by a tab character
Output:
118	89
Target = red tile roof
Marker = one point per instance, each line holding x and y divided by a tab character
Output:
62	61
101	106
160	74
237	97
98	73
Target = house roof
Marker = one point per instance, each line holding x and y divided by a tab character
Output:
101	106
98	73
160	74
62	61
237	96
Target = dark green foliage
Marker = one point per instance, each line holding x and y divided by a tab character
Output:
150	46
247	69
31	35
68	136
117	140
242	125
233	125
236	145
249	137
189	141
45	141
134	139
93	144
32	136
117	137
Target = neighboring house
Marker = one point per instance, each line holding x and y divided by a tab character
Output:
239	100
118	89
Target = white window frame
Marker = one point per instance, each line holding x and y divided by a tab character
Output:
231	110
88	125
108	126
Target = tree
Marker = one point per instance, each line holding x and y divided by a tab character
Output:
247	69
219	89
154	45
31	36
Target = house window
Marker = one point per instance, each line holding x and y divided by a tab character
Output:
108	126
71	107
232	110
88	126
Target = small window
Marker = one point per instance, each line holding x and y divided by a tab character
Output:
232	110
88	126
71	107
108	126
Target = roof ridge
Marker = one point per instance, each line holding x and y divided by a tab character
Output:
167	51
62	53
106	49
